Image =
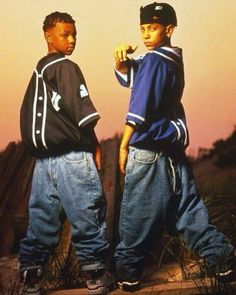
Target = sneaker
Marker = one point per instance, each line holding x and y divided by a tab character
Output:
129	286
225	277
30	289
31	280
224	271
227	272
99	282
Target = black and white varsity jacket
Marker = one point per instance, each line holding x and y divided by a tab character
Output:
57	113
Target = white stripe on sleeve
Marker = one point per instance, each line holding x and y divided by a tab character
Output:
87	118
136	116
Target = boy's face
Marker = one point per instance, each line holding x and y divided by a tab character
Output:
61	38
154	35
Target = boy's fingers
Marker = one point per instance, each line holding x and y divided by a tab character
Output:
120	55
99	165
122	169
116	54
135	48
124	55
123	160
121	52
131	49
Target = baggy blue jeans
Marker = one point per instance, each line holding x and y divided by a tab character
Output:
160	192
70	182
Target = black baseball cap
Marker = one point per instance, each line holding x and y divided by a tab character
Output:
161	13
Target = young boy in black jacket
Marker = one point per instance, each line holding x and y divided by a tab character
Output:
57	125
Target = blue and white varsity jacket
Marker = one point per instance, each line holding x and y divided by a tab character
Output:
155	109
57	114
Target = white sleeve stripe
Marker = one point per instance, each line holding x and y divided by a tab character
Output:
87	118
185	131
136	116
131	76
177	128
131	122
123	76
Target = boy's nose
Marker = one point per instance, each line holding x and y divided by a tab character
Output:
146	35
71	39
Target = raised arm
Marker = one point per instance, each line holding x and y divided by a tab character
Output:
121	58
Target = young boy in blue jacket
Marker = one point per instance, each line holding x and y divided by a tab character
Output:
57	125
159	186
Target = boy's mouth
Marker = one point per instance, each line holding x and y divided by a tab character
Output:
148	44
71	48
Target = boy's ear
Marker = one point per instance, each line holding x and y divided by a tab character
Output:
47	36
169	30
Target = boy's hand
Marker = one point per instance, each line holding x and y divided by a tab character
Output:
124	147
98	157
121	52
123	159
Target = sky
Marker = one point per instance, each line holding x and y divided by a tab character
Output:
205	31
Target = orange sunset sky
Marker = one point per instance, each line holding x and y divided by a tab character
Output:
206	32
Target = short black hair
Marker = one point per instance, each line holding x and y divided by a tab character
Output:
51	19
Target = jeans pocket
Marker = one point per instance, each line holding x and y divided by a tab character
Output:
74	157
144	156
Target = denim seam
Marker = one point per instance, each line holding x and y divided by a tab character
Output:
93	182
173	174
123	209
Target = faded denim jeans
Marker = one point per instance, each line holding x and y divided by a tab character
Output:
159	193
70	182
